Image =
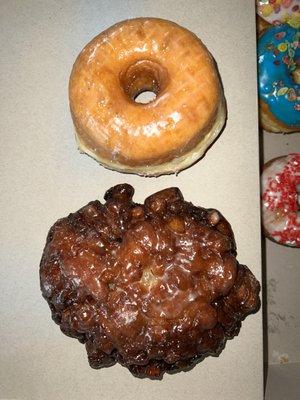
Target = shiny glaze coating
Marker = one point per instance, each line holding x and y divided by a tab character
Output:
146	54
280	183
278	52
155	287
280	11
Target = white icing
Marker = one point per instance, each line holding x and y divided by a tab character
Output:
271	172
272	222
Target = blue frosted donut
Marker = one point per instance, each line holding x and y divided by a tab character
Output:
278	59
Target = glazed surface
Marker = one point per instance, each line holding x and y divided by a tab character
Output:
129	58
280	199
154	286
278	52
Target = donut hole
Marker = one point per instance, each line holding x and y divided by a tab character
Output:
145	97
144	81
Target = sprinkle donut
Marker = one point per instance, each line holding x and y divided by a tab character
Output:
280	11
280	183
279	79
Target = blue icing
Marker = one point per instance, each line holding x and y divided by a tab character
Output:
278	51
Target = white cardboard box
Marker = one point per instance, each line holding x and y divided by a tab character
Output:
283	297
43	178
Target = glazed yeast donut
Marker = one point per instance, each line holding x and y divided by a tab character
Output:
280	199
160	137
279	79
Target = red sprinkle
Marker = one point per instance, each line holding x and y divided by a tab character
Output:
286	59
280	35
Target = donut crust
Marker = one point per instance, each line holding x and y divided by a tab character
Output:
270	123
